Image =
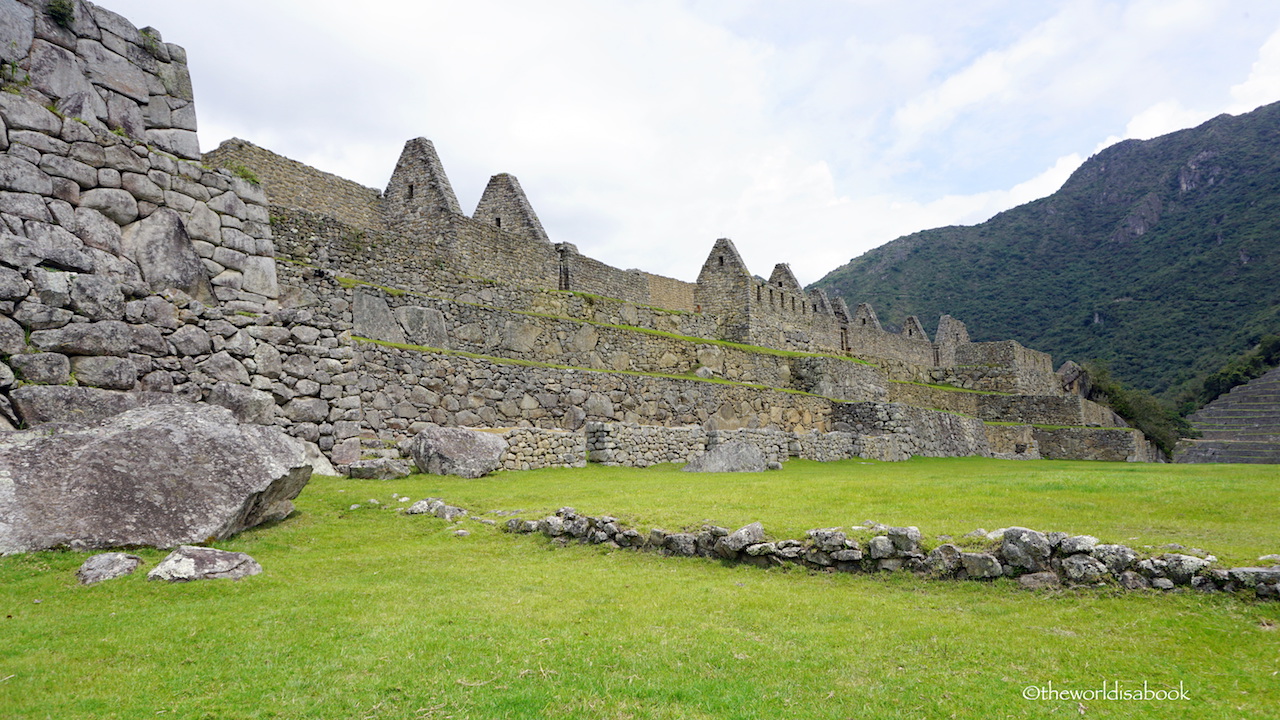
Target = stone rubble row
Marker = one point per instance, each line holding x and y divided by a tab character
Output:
1034	558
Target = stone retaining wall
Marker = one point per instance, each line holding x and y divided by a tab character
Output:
632	445
535	448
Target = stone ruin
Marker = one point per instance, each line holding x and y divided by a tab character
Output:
132	267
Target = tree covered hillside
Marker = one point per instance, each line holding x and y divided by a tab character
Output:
1160	257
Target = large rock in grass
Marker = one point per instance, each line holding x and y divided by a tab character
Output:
457	451
154	476
189	563
729	457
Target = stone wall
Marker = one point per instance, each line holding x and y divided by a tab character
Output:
633	445
101	69
1033	370
536	448
907	431
1109	444
825	447
1012	442
293	184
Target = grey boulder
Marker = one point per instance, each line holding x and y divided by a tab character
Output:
457	451
107	566
156	476
729	457
1025	549
189	563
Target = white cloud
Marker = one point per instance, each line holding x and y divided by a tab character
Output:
1263	84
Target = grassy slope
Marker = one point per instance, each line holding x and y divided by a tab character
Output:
367	613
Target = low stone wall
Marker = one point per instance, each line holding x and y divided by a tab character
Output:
773	444
1038	560
535	448
633	445
825	447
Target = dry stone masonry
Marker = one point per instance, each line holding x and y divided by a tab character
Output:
1037	560
135	271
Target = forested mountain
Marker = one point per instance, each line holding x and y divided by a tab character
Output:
1160	257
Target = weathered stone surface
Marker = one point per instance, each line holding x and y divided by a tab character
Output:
457	451
12	285
302	410
1077	544
156	476
1130	580
1025	549
18	175
981	565
1181	568
183	143
1117	558
19	112
97	297
247	404
109	337
944	559
13	339
111	373
1082	568
114	204
1252	576
379	469
113	71
47	245
906	540
17	30
729	457
223	368
160	247
880	547
189	563
423	326
107	566
371	318
739	539
191	340
37	404
1039	581
44	368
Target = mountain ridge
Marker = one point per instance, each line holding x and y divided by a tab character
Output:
1156	256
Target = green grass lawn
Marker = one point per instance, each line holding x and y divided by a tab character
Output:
368	613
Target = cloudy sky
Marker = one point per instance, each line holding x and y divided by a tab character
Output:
808	131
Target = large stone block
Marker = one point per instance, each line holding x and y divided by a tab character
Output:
38	404
732	456
112	71
457	451
155	476
17	30
109	337
159	245
371	318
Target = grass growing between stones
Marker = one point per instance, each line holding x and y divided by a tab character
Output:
368	613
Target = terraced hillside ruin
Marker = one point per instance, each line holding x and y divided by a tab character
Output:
1242	426
134	270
